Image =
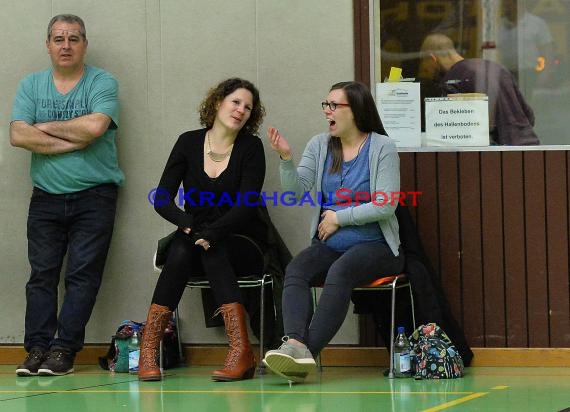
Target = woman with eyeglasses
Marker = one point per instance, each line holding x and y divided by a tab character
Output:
353	169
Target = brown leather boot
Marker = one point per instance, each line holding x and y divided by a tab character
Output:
156	322
240	362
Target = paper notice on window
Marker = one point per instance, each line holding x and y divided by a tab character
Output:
461	120
398	104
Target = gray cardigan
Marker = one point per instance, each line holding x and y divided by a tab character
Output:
384	177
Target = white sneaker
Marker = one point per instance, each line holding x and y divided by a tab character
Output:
290	361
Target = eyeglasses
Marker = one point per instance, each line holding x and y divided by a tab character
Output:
332	105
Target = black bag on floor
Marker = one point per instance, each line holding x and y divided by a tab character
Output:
117	357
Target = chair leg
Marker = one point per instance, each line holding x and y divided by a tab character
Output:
181	357
318	357
261	367
412	302
392	326
180	351
264	282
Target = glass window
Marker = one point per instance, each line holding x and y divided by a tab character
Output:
515	51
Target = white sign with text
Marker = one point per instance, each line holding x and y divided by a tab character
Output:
398	105
457	121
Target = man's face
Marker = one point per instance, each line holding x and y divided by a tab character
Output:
66	45
429	69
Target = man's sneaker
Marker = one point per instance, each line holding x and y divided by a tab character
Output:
32	363
59	361
290	361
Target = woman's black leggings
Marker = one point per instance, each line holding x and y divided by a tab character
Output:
221	265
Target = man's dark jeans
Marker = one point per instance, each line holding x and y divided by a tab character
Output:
81	225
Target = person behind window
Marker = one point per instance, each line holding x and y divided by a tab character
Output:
66	116
354	234
525	45
511	119
216	165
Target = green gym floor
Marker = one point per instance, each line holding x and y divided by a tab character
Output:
345	389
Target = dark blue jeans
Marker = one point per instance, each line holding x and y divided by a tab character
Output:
339	273
80	225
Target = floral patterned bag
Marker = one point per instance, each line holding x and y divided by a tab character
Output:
433	354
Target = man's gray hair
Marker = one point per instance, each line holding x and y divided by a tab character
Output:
438	44
67	18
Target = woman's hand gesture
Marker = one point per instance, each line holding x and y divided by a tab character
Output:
279	143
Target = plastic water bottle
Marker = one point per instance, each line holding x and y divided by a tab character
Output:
134	350
402	358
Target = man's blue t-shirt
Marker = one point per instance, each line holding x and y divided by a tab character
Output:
38	101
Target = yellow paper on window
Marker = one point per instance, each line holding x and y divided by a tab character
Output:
395	74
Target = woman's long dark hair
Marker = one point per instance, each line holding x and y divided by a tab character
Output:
366	117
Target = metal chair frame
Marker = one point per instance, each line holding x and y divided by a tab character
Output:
391	283
243	282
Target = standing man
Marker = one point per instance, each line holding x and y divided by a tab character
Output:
66	116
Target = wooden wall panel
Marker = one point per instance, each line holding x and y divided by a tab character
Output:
514	250
447	203
535	246
427	215
408	178
556	183
361	39
471	259
496	227
493	279
509	285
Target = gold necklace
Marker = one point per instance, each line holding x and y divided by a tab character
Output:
217	157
